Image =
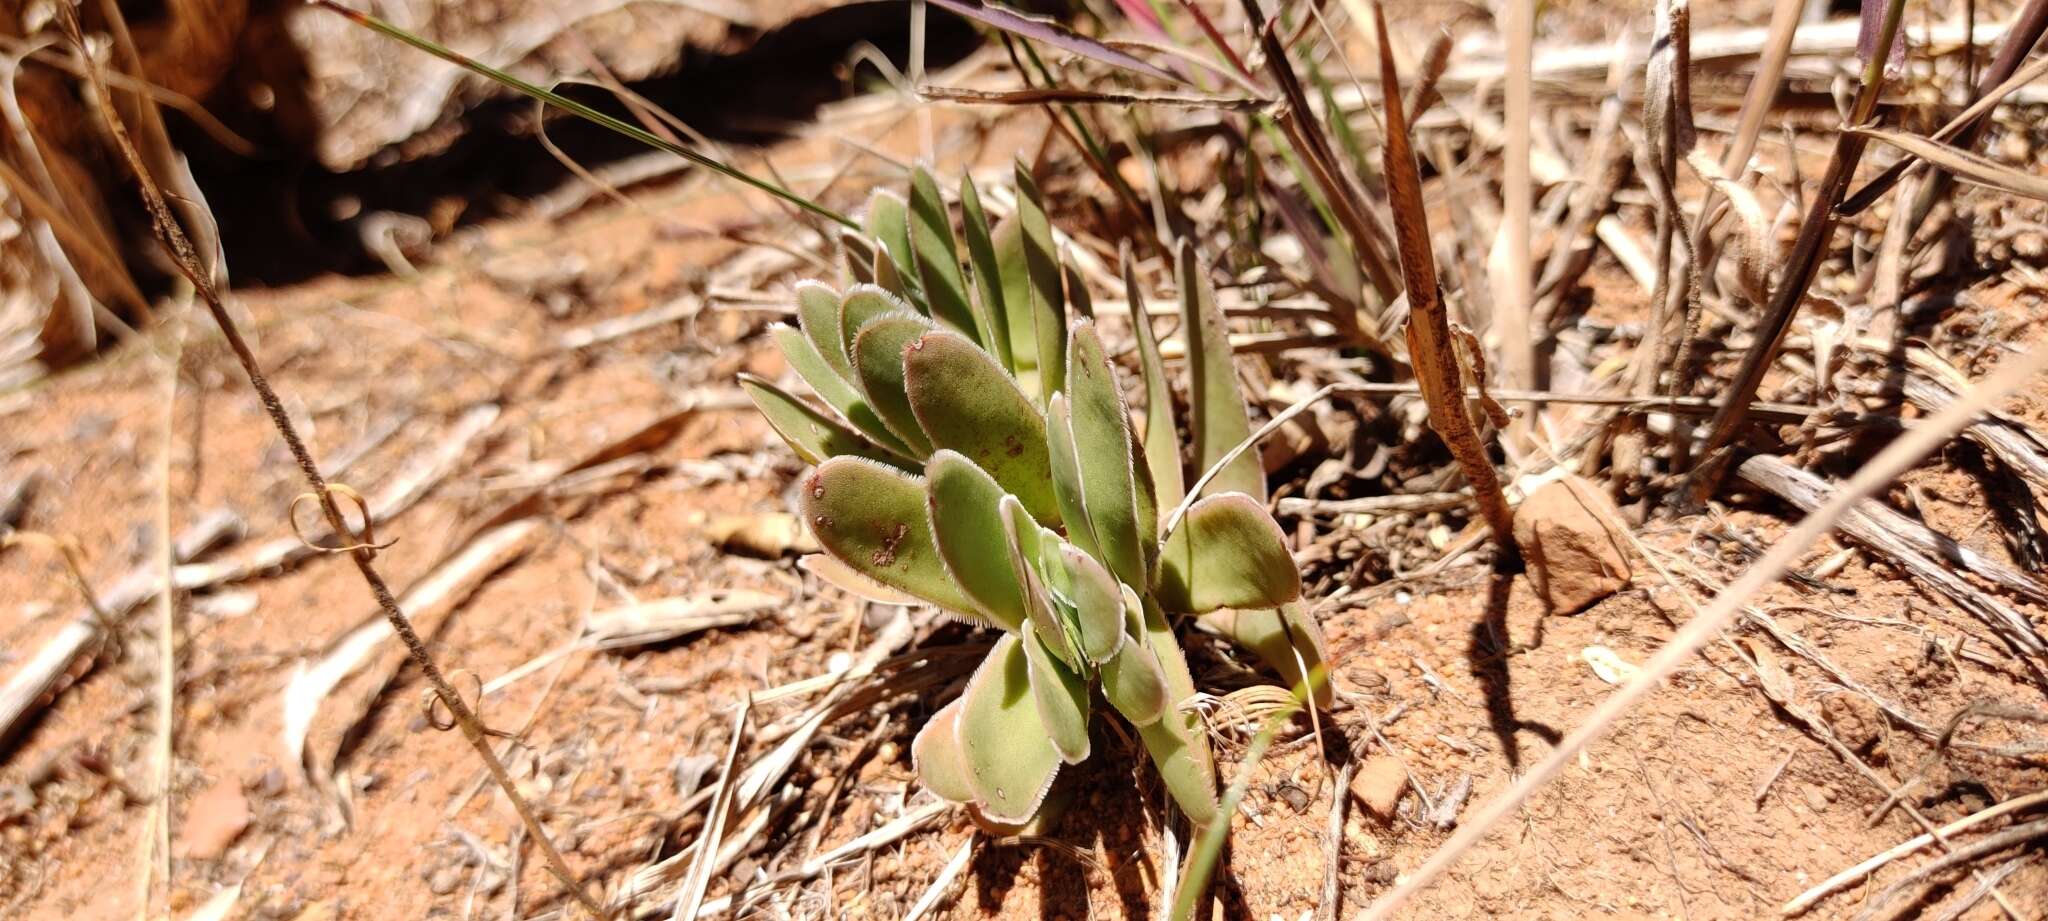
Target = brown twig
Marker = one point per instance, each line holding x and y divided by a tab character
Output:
172	235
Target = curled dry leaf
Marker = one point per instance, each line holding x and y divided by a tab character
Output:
1755	253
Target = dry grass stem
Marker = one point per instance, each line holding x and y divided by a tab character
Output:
1805	901
1814	233
171	234
1431	349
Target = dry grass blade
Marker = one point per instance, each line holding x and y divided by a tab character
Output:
1430	346
1895	459
1962	856
1510	269
1056	35
1071	95
1963	164
2026	30
1798	276
670	618
942	884
1806	900
699	876
1297	119
882	837
1915	548
765	774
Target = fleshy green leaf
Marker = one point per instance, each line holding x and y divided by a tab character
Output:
1098	605
937	756
861	305
1023	539
1132	681
1227	553
1011	760
1102	448
875	519
1178	744
836	391
1048	311
1276	636
1020	320
1062	698
860	258
964	401
988	277
813	435
1147	513
888	221
937	256
1078	301
878	365
817	314
1162	440
1066	473
967	524
888	276
1216	406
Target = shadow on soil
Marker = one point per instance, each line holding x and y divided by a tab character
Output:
277	215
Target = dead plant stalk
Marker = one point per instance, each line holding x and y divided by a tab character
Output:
1430	347
1512	295
172	235
1804	263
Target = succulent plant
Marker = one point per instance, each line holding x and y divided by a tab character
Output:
975	453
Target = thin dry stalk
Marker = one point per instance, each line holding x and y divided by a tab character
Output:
172	235
1756	105
1804	262
1895	459
1298	120
1849	877
156	854
1431	348
1512	297
2025	32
